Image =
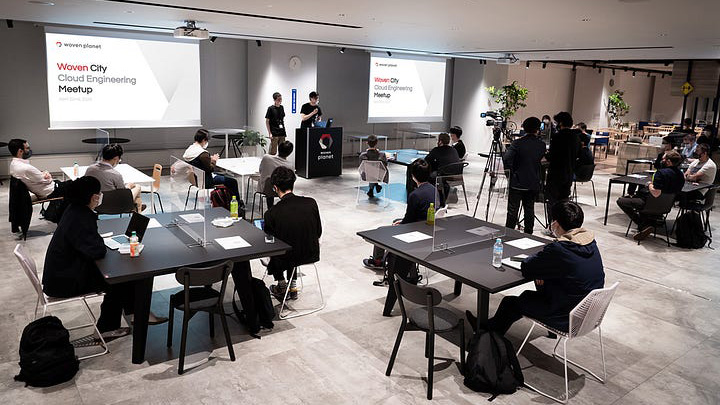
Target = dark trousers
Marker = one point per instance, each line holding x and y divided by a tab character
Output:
278	267
556	190
242	277
631	206
404	268
515	197
508	312
530	303
270	200
229	182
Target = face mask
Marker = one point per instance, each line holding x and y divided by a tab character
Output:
205	145
100	200
554	230
26	154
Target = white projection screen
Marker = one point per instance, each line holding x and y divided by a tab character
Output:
406	89
100	79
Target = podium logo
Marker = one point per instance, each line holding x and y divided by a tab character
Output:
326	141
58	43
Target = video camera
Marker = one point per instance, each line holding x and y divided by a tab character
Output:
496	121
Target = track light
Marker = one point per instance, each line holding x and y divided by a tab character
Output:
9	23
574	67
544	65
599	70
662	76
594	65
213	38
648	74
613	72
527	65
389	53
342	50
633	73
258	42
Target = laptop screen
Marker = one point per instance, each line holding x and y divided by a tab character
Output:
139	224
259	224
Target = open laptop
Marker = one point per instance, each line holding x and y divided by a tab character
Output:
138	224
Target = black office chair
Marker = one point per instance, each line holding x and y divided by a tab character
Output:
584	174
198	296
429	318
117	202
455	173
702	207
656	211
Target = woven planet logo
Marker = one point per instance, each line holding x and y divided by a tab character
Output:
58	43
326	141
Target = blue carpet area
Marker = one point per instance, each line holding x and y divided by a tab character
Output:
394	192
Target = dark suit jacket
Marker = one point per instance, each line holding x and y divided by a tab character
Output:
522	158
418	203
70	259
460	148
440	156
295	220
562	155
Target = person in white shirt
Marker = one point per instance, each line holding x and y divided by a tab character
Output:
268	164
701	170
110	179
39	183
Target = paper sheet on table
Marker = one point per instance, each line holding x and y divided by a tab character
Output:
411	237
637	176
482	231
232	242
192	218
153	224
524	243
515	265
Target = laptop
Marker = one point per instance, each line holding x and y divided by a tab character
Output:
259	224
139	224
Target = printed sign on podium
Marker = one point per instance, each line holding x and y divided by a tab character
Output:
318	152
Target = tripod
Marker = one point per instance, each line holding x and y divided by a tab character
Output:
490	167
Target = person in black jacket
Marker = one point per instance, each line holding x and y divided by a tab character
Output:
70	268
523	158
198	156
441	155
296	221
562	155
374	155
564	272
455	134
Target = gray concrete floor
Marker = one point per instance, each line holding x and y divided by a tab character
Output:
661	333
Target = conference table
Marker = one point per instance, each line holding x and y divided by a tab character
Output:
166	250
232	136
128	173
641	179
240	167
360	138
405	157
470	264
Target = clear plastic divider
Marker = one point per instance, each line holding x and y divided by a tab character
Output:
102	138
188	183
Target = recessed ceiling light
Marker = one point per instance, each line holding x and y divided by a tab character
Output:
662	34
42	3
586	19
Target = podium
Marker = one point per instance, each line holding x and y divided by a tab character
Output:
318	152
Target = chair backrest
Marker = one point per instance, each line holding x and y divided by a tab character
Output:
157	174
589	313
584	173
710	198
465	156
202	276
659	205
416	294
372	171
28	265
20	203
452	168
118	201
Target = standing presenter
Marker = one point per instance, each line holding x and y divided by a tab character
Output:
310	112
275	123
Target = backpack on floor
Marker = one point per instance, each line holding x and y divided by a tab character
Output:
689	233
491	365
46	355
220	197
264	310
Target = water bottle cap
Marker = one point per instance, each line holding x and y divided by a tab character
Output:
133	233
498	240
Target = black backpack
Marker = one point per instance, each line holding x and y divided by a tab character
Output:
689	233
46	355
492	366
264	309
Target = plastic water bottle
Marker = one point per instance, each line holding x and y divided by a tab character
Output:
76	170
134	245
497	253
234	208
431	214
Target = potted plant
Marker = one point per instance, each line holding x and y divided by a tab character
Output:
617	108
511	97
252	141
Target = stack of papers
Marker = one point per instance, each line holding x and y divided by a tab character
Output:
232	242
524	243
192	218
411	237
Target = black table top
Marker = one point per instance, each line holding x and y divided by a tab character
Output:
470	264
405	157
104	141
646	177
166	249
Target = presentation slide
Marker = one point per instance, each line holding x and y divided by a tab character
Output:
406	89
119	82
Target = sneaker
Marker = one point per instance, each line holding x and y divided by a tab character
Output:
643	234
293	291
143	207
381	283
278	290
378	188
152	319
370	194
372	263
117	333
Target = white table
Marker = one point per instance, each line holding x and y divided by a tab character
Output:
362	138
240	167
226	132
128	173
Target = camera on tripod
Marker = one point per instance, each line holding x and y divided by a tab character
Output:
497	121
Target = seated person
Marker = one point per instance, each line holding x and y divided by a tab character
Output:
457	143
70	268
296	221
441	155
198	156
667	146
669	179
39	183
710	137
687	126
689	145
585	157
110	179
268	164
564	272
373	154
702	170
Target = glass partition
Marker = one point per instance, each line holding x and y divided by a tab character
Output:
453	227
189	181
102	138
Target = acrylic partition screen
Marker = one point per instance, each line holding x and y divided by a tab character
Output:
188	183
452	227
103	138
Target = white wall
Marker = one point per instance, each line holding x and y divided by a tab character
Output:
269	71
665	108
469	99
588	96
550	90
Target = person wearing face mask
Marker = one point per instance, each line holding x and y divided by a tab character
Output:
689	145
70	268
702	170
39	183
564	272
198	156
110	179
709	136
547	128
296	221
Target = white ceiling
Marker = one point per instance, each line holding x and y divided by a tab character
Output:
531	29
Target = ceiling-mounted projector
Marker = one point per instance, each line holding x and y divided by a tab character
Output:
191	31
507	59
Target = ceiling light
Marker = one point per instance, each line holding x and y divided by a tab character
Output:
574	66
527	65
258	42
586	19
599	70
613	72
648	74
594	65
544	65
389	53
42	3
342	50
213	38
633	73
663	76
